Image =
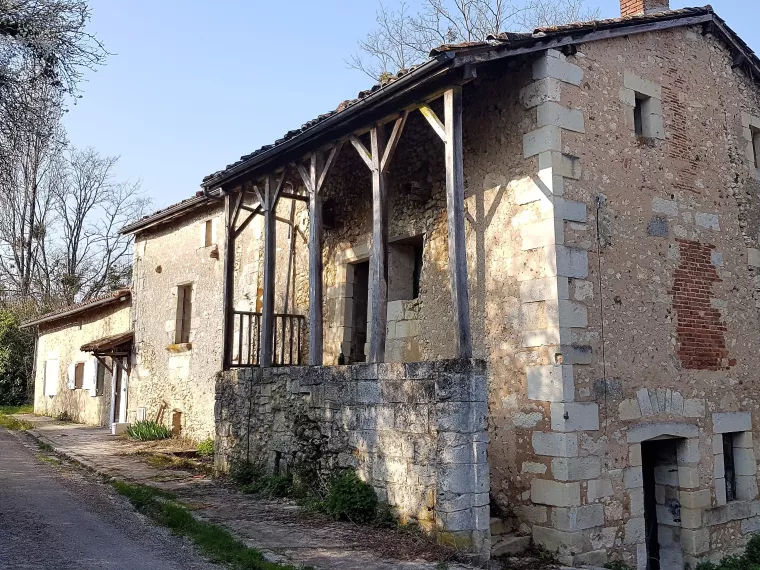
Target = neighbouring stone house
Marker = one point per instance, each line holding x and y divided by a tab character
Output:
524	278
81	360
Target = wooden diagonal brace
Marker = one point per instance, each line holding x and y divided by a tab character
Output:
434	121
390	146
365	155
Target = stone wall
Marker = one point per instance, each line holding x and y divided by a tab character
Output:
59	342
416	432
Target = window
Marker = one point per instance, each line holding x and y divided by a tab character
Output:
638	112
729	466
756	145
405	268
78	375
208	233
184	313
100	379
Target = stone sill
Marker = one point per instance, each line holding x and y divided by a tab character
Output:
180	347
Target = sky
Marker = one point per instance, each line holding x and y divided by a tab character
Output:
192	85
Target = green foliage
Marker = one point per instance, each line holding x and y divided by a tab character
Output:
206	448
750	560
215	541
348	497
16	360
148	431
9	422
244	473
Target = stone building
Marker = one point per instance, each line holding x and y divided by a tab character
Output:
81	360
523	276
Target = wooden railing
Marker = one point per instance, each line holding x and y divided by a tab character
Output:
246	342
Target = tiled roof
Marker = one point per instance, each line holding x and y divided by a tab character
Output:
116	296
108	342
167	213
577	31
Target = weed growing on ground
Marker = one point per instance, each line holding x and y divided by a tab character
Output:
9	422
617	565
148	431
205	448
214	540
64	416
44	446
350	498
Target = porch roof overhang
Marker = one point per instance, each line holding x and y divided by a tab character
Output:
453	64
114	345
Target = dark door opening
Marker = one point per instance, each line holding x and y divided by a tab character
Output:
649	460
359	316
116	392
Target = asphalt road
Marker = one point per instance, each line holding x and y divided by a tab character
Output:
54	516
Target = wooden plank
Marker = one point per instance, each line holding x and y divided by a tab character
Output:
315	268
262	198
460	298
434	121
252	209
238	204
378	257
228	288
390	147
267	309
328	163
362	150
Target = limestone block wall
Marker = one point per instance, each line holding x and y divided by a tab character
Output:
665	347
58	348
416	432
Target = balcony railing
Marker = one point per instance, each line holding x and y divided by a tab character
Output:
289	331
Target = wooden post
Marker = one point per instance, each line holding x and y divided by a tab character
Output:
229	282
378	260
315	267
460	297
270	242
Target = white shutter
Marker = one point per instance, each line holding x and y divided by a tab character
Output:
51	377
71	376
214	224
90	379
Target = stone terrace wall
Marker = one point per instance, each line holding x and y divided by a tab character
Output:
415	432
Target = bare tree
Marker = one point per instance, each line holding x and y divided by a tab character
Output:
27	160
90	255
402	38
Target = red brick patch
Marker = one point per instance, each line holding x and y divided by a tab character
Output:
700	332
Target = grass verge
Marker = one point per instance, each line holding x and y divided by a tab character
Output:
9	422
213	540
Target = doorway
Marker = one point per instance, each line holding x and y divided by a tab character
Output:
116	392
359	314
662	505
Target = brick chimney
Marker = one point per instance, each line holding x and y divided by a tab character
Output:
641	7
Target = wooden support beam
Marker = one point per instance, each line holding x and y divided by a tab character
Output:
228	282
270	242
254	212
291	196
460	298
362	150
434	121
378	260
390	147
315	266
328	163
238	205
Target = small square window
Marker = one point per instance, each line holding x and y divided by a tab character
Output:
78	375
208	233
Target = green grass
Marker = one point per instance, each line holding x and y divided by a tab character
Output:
148	431
9	422
213	540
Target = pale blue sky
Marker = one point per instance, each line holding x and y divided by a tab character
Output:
193	84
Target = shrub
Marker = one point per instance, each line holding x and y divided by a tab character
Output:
348	497
64	417
753	550
16	360
206	448
750	560
148	431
